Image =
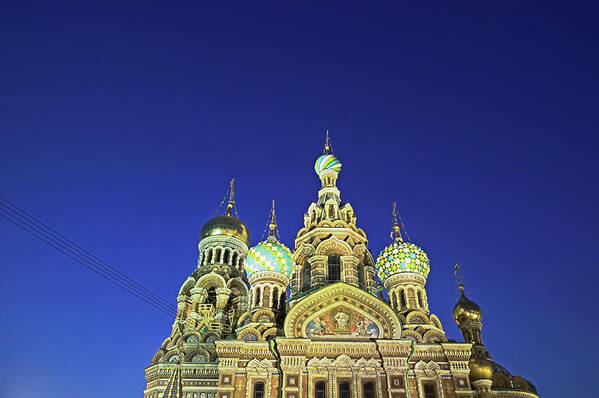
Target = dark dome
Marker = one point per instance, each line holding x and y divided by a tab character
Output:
228	226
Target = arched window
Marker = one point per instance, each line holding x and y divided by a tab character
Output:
217	256
319	389
331	211
226	257
402	298
344	389
257	298
420	302
282	300
334	268
234	262
209	259
368	390
211	299
275	298
259	390
307	276
361	275
429	390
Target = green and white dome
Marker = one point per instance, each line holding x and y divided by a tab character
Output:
269	255
402	256
327	162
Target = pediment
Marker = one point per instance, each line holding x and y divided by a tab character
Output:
342	311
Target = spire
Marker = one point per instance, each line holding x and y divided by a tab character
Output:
459	277
327	144
272	225
396	227
231	202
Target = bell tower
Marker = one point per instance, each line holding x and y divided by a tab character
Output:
330	247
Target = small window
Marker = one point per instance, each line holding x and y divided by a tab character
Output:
257	298
275	298
211	299
361	275
344	389
368	390
331	211
307	276
429	391
226	257
319	389
334	268
259	390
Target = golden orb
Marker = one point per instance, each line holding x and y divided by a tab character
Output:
228	226
466	310
480	369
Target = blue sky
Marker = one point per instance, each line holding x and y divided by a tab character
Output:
122	123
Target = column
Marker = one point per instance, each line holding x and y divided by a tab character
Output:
349	270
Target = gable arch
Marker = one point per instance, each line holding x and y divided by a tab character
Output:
211	280
186	286
355	305
334	245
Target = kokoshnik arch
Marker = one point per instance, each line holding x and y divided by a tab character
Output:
266	322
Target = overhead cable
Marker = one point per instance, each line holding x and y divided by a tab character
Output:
48	235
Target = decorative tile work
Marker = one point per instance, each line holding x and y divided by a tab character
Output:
269	255
402	256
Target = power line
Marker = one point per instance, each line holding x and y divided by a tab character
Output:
50	231
46	234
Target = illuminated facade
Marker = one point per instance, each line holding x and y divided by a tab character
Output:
265	322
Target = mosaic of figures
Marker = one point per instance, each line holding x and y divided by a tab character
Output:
341	322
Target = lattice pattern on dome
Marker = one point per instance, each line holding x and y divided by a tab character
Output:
270	255
402	256
326	162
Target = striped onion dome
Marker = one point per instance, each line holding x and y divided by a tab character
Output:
402	256
269	255
326	162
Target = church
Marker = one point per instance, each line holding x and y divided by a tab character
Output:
326	320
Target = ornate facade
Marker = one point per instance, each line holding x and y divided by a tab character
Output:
324	321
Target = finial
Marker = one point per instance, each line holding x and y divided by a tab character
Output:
396	227
273	220
327	144
231	202
459	276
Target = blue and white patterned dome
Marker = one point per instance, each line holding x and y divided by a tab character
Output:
326	162
269	255
402	256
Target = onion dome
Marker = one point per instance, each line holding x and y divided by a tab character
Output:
270	254
466	309
480	369
227	225
327	162
401	256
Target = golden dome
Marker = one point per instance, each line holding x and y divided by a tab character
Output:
226	225
480	369
466	310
